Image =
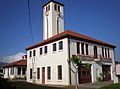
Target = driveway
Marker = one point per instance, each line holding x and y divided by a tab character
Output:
25	85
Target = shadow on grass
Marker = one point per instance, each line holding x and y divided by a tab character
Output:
25	85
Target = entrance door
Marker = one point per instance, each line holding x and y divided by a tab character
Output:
106	72
43	75
84	75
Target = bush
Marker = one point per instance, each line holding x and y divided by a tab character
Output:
112	86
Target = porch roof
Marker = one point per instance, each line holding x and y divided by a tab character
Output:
22	62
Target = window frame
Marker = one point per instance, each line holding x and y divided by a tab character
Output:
41	51
78	47
46	49
49	73
95	52
87	51
12	71
54	47
30	53
82	48
61	45
38	73
34	53
103	55
30	73
59	72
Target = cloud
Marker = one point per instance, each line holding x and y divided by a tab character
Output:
12	58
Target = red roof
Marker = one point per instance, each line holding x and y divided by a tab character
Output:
70	34
22	62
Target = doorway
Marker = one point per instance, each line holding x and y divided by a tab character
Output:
43	75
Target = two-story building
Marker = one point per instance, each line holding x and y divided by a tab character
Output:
48	61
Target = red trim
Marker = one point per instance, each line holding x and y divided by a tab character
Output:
16	63
71	34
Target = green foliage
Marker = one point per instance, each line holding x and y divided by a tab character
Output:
75	59
100	78
112	86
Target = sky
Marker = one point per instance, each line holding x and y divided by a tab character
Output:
99	19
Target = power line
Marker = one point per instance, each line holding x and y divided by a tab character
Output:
30	24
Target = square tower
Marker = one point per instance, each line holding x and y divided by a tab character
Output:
53	19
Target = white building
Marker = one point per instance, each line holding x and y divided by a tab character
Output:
48	61
15	69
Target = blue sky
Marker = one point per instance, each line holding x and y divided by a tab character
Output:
99	19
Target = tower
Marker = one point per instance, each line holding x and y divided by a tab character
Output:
53	19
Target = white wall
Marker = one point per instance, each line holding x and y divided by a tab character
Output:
52	21
118	69
52	59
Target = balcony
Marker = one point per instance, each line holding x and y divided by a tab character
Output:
107	59
86	57
92	58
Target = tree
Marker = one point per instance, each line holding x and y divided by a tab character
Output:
76	61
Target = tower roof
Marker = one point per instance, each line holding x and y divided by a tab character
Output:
54	2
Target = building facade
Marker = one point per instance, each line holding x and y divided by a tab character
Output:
49	61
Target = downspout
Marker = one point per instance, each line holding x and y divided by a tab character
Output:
69	63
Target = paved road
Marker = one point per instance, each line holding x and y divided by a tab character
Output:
25	85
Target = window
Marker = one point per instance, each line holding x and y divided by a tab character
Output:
38	73
102	52
95	52
30	73
34	52
108	53
40	51
23	71
59	8
54	47
105	52
12	70
48	7
55	7
78	47
30	54
48	72
82	48
87	49
60	45
19	71
57	25
45	49
60	72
